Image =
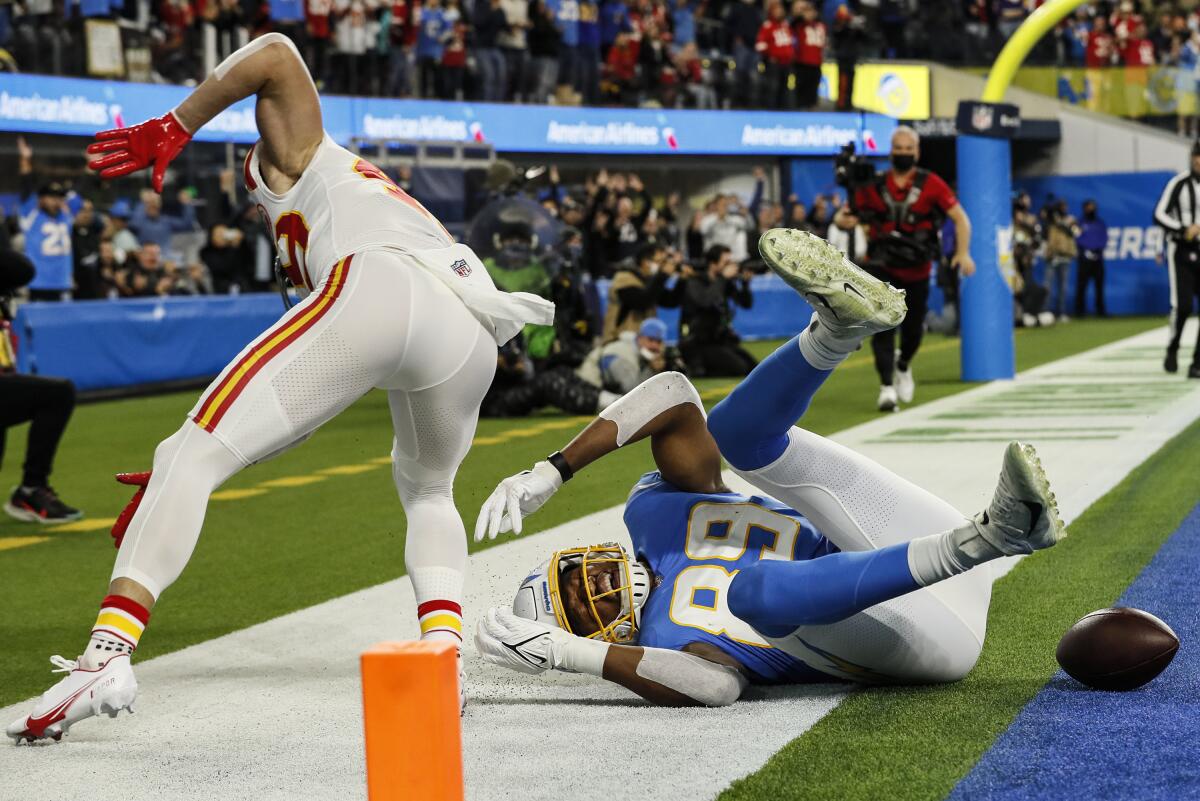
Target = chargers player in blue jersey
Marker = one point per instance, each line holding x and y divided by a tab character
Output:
838	569
46	223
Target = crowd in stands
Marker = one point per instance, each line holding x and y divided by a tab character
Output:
693	53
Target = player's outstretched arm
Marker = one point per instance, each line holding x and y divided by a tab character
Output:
288	113
666	409
661	676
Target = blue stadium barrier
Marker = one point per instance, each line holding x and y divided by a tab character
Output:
102	344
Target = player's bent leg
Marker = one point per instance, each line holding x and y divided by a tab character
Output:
917	638
857	503
915	635
434	398
321	356
160	539
751	425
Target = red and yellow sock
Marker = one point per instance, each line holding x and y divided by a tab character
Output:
440	620
121	619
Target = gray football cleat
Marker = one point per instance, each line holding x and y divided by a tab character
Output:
848	301
1023	515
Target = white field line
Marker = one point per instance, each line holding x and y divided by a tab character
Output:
273	711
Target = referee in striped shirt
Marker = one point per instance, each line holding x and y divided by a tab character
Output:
1178	211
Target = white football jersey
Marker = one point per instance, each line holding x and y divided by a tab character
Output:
342	204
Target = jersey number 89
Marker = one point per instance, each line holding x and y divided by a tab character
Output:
726	531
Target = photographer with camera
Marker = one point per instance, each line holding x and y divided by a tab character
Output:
709	344
903	210
1178	211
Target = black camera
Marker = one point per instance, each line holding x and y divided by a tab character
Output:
673	360
851	170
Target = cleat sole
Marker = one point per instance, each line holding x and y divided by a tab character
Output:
1025	460
821	272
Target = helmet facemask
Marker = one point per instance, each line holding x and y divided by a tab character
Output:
629	583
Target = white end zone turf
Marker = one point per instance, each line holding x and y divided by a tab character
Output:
273	711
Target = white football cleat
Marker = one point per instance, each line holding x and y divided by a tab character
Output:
847	300
82	694
1023	515
905	383
888	402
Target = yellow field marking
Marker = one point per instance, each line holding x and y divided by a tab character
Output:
349	469
291	481
236	494
482	441
89	524
17	542
381	460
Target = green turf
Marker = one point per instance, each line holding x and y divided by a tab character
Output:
262	557
917	743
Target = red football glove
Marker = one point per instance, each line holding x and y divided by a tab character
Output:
139	480
153	142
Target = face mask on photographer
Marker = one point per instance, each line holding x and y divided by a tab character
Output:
903	162
648	354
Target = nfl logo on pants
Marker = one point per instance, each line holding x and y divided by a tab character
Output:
461	268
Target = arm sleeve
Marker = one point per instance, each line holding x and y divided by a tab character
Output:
705	682
1166	211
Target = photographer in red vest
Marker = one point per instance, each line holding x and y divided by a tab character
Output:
903	209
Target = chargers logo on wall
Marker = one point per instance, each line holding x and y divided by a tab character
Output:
893	94
669	137
476	132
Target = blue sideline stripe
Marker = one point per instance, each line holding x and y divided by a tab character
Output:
1071	742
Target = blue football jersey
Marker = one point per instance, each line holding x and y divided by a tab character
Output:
696	543
48	246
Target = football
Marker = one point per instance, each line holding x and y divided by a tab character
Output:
1117	649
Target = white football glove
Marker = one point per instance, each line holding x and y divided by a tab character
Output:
515	498
525	646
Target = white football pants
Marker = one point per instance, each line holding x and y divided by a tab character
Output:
376	321
934	634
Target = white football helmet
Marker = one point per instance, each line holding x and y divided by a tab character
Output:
539	595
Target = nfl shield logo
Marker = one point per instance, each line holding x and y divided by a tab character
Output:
981	118
461	268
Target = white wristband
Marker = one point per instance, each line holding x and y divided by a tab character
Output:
548	472
580	655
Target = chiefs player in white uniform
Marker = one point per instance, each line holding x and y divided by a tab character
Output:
391	302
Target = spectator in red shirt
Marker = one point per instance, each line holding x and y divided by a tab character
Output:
320	33
810	52
621	69
776	47
1138	50
402	34
1100	53
454	61
1100	45
1138	56
1125	21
